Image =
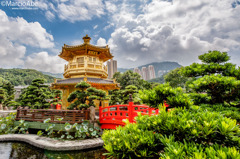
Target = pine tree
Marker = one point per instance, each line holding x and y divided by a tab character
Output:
9	89
215	79
57	97
3	97
85	95
36	95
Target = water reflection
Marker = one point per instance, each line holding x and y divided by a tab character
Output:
25	151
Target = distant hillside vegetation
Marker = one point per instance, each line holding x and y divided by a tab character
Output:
158	66
158	79
23	76
56	75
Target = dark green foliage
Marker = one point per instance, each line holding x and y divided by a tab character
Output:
220	88
175	78
214	57
158	79
122	96
3	96
175	97
130	89
215	77
200	98
57	97
9	89
35	95
85	96
23	76
115	97
131	78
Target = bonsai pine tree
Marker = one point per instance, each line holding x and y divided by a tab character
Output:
130	89
215	77
9	89
115	97
36	95
85	95
3	97
57	97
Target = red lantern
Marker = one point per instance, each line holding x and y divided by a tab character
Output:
58	106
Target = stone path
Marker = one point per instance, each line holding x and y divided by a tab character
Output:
52	144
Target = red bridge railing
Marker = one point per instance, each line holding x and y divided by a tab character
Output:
112	116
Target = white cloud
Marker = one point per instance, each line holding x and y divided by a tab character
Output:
49	15
15	35
95	27
44	62
101	42
74	10
175	31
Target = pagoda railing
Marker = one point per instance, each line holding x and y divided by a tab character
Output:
70	116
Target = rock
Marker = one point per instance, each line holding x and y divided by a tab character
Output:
92	113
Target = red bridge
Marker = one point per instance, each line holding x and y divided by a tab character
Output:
112	116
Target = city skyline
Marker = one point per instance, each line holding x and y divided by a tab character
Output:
146	73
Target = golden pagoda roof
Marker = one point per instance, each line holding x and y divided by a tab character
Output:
68	51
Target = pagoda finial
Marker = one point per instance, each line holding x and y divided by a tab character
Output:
86	39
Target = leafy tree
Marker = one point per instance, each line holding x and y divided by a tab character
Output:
131	78
36	95
215	77
175	78
175	97
85	95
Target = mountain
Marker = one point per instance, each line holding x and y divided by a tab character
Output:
56	75
158	66
23	76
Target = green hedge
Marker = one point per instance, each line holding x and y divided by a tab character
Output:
190	133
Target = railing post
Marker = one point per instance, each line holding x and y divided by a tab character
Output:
130	109
149	111
100	113
74	116
18	112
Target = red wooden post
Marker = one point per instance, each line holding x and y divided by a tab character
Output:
74	116
130	109
100	113
149	111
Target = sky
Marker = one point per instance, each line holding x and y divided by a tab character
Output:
138	32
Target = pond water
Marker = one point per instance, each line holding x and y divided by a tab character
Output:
15	150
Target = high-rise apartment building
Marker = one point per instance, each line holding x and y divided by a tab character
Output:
137	70
112	68
144	73
151	72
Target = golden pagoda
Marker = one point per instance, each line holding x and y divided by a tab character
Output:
85	63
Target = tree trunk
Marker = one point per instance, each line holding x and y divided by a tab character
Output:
1	107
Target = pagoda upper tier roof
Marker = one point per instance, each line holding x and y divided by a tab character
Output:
68	51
